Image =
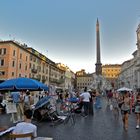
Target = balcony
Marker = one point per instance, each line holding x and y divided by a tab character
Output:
34	70
61	81
57	81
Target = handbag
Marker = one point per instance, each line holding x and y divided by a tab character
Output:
120	104
111	107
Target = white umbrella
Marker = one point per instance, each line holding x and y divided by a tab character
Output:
124	89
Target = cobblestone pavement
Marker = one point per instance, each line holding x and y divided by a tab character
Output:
101	126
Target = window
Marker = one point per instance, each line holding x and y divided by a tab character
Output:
1	62
12	73
20	55
33	66
39	68
2	73
31	57
39	76
46	78
19	75
30	65
2	51
26	58
14	53
20	65
46	71
26	67
13	63
34	59
43	69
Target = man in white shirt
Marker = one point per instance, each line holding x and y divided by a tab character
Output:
85	97
26	126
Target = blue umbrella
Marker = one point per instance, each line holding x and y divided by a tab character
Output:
42	102
22	83
73	100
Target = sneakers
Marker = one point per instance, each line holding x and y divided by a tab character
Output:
137	127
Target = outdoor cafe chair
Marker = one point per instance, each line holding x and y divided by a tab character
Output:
43	138
14	136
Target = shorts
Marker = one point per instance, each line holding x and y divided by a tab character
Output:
137	109
123	112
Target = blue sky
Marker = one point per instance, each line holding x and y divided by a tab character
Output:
64	30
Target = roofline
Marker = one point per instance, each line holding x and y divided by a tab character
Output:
15	43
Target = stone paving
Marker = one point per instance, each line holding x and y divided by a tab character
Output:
101	126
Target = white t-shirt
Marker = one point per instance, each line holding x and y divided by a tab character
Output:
86	96
27	99
23	128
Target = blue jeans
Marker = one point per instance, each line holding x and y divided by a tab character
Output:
86	108
98	103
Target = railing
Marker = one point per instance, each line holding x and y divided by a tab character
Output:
58	81
34	70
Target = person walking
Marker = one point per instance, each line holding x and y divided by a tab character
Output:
109	97
125	109
91	110
21	106
2	105
137	110
115	105
17	100
27	101
85	97
98	101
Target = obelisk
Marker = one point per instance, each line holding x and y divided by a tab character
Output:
98	63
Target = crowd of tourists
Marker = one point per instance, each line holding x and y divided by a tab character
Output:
84	103
126	103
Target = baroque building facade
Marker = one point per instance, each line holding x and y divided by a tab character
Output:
130	71
14	60
69	80
17	60
83	80
111	73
